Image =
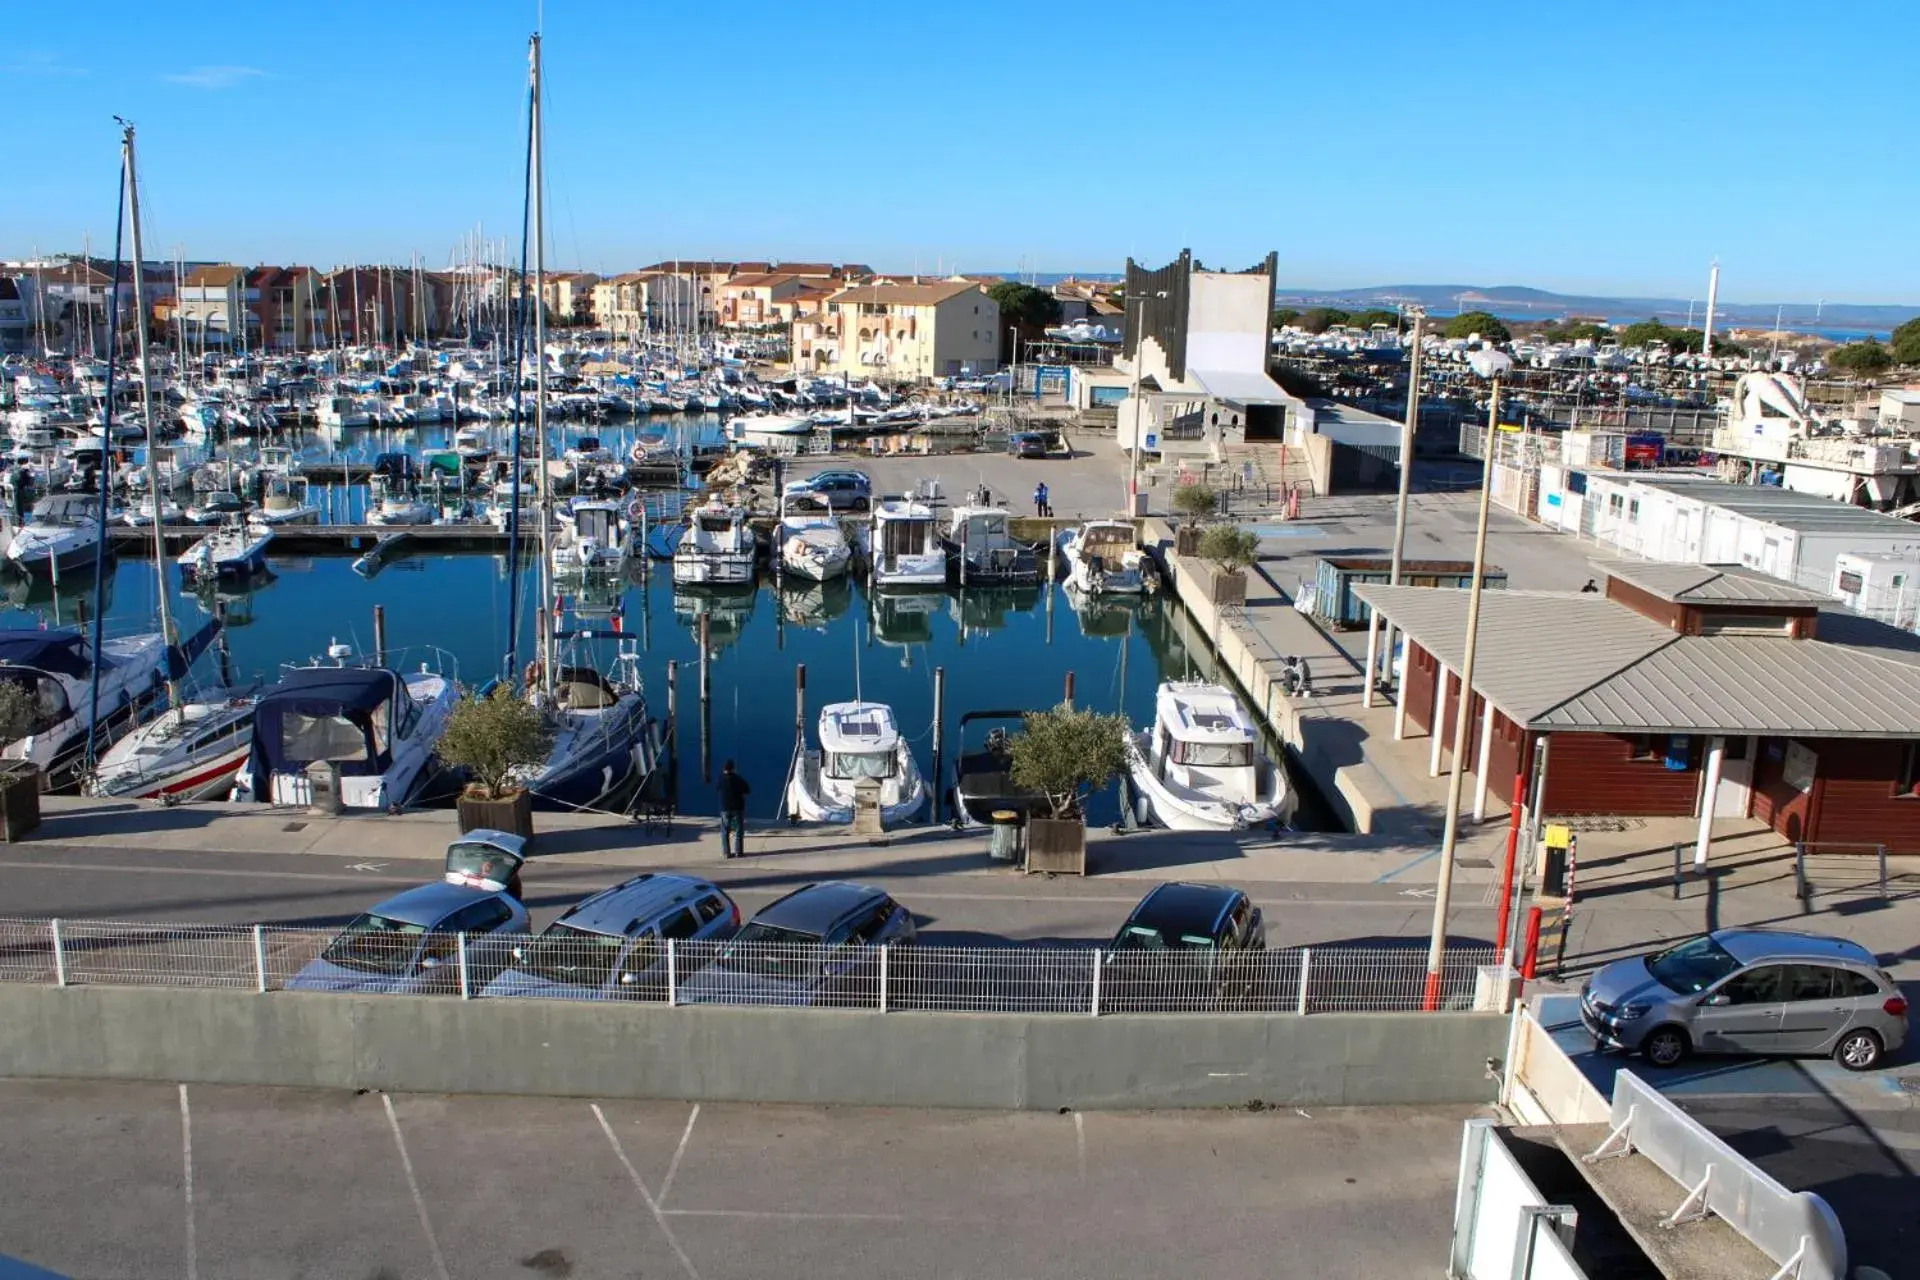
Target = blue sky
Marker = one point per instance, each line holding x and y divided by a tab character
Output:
1615	148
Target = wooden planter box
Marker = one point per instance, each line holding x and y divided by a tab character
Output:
512	813
1057	845
1186	540
20	784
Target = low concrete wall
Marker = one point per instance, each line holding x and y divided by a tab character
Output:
569	1049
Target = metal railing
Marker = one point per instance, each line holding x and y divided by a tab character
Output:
1063	980
1830	867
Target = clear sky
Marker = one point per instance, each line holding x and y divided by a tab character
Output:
1614	148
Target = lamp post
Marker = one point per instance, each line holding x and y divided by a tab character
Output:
1488	363
1407	431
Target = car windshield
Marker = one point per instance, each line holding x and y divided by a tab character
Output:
772	952
375	944
1692	966
1145	937
563	953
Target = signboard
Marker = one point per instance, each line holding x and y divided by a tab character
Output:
1153	440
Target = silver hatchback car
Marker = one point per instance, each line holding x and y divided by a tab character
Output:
1757	991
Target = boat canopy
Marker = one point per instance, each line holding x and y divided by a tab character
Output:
66	509
858	739
342	714
1203	713
60	653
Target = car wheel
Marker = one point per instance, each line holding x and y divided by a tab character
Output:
1858	1050
1666	1046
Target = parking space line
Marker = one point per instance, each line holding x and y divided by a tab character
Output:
186	1160
653	1205
779	1215
673	1166
413	1187
1080	1143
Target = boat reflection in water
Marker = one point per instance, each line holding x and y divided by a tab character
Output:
1110	617
813	604
727	610
901	617
69	599
989	608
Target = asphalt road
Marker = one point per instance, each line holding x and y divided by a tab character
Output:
126	1180
953	909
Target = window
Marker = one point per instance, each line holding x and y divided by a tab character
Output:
1807	982
1907	784
1640	747
1614	504
709	909
1633	511
860	764
1693	965
1218	755
1764	985
681	924
1850	985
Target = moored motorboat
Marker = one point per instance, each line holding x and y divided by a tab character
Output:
1200	766
859	742
189	752
1104	558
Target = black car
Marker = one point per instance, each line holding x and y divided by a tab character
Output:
1185	947
1033	444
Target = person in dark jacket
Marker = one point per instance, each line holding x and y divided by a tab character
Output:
733	812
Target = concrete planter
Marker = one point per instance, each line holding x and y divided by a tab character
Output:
510	813
20	786
1226	586
1186	540
1057	846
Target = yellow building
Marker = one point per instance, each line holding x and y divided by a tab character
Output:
906	332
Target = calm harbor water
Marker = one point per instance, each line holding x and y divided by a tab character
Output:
1002	650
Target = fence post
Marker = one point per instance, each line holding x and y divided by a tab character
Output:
59	957
1530	961
460	952
1306	968
1095	1010
1882	850
1676	872
673	974
1801	889
260	958
884	950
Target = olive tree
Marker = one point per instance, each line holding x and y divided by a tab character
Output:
1066	753
1229	546
490	737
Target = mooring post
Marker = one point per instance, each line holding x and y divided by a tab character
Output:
379	635
939	740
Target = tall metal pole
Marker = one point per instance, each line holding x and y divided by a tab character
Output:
146	408
1713	296
1139	435
1406	482
540	373
1462	717
939	740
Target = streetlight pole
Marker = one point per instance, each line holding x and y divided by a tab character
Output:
1406	488
1488	363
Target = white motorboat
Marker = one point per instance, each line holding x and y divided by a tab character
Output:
474	445
341	411
771	424
859	742
1104	558
216	506
62	534
140	514
286	502
377	727
984	548
903	545
812	544
234	550
1200	767
56	668
594	537
717	549
188	753
395	506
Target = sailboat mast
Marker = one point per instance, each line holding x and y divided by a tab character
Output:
146	405
542	488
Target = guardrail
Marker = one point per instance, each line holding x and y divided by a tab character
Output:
578	966
1797	1229
1866	865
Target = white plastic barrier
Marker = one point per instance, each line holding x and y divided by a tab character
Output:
1503	1228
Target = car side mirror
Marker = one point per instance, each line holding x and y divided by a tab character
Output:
627	979
1718	998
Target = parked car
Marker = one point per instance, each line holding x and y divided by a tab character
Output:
407	945
1033	444
1184	947
1758	991
814	946
614	943
841	490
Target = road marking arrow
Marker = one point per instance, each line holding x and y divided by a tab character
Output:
1416	893
377	866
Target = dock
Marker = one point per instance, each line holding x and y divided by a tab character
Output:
338	539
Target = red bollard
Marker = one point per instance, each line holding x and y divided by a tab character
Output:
1532	952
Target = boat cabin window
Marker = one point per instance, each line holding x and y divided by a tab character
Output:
1217	755
716	523
853	765
323	737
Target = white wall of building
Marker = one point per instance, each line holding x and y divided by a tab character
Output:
1227	318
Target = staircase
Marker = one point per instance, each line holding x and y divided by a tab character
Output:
1266	469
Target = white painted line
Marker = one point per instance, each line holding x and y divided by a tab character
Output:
775	1215
186	1159
152	870
653	1206
1080	1143
673	1166
413	1187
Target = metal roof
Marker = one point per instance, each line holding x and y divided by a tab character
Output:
1580	662
1801	512
1239	386
1728	584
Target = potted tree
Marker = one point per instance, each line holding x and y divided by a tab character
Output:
1195	502
1065	754
19	779
490	737
1230	550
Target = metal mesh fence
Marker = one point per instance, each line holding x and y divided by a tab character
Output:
574	966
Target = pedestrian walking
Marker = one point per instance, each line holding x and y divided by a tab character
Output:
1042	500
733	812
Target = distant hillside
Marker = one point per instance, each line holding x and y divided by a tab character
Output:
1519	302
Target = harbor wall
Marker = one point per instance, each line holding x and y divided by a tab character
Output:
1325	744
561	1048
